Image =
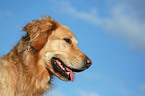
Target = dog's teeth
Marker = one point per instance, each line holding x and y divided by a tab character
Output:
61	67
59	63
67	73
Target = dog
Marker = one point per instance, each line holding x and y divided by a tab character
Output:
47	49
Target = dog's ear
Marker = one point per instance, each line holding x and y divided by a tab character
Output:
39	30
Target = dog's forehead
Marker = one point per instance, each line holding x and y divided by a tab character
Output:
64	31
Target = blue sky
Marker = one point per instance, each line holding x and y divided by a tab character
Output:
110	32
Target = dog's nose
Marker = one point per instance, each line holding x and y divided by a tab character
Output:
88	62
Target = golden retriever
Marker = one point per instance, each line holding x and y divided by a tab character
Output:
48	48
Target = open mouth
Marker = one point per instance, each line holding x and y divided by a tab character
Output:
62	69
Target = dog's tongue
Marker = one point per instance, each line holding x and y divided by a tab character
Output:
72	75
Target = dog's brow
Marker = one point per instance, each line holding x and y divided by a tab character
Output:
74	40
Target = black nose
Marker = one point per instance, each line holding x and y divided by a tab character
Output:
88	62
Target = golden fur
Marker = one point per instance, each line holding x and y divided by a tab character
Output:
27	70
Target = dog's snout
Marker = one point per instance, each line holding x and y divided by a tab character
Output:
88	62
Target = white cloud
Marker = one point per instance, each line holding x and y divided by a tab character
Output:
142	88
124	24
53	92
127	91
90	17
121	20
83	93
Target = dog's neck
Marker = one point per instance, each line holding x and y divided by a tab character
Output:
34	82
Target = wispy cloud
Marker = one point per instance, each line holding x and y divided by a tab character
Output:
127	91
78	93
54	93
89	17
83	93
124	23
139	91
121	20
142	87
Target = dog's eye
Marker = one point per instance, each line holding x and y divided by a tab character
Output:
68	40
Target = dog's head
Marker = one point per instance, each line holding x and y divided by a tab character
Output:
57	48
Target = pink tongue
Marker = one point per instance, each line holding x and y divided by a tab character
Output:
72	75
